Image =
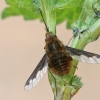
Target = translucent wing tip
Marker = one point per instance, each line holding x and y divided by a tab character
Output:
37	74
28	86
33	81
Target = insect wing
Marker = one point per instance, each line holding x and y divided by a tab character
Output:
37	74
83	56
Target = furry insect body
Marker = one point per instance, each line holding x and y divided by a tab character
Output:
59	61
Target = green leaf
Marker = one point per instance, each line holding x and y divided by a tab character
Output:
15	11
56	3
67	3
59	3
68	10
38	3
20	3
68	14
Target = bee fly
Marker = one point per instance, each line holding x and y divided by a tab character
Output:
59	59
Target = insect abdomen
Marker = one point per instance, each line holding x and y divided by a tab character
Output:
59	61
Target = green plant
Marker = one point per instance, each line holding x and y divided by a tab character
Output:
77	12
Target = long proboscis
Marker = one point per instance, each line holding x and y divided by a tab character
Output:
44	21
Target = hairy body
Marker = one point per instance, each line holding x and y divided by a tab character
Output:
59	60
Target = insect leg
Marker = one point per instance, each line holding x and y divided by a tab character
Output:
75	66
70	39
54	80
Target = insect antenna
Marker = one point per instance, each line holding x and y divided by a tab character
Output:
44	21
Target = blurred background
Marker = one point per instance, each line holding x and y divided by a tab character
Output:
21	48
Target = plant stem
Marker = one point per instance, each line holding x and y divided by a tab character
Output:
50	15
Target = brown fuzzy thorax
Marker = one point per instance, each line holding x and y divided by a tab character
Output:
59	61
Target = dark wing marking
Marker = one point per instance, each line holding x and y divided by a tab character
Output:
37	74
83	56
